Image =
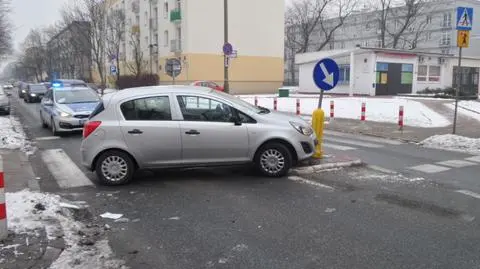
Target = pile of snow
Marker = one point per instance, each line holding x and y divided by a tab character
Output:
467	108
12	135
29	211
377	109
454	143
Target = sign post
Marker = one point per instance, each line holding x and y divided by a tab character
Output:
464	26
325	75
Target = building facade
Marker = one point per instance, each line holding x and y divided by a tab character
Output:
433	31
193	32
69	53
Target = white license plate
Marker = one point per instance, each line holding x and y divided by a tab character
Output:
82	122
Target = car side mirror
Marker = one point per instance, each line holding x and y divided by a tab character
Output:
236	120
47	102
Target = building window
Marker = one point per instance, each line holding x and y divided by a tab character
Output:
434	73
368	26
331	45
165	37
165	10
407	74
428	36
382	66
344	74
428	20
445	40
422	73
445	51
447	19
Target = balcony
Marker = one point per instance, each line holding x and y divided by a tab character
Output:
175	45
175	16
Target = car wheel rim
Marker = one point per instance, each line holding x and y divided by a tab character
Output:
272	161
114	168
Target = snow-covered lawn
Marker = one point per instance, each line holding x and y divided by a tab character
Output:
377	109
468	108
12	135
24	217
453	143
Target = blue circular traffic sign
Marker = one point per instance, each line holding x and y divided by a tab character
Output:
326	74
227	48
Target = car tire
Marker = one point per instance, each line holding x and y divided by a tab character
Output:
119	158
44	124
54	128
273	159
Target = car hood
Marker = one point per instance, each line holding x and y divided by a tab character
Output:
78	108
283	117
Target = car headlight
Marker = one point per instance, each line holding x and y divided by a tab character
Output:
302	128
23	91
64	114
33	95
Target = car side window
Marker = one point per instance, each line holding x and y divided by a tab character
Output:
147	109
244	118
196	108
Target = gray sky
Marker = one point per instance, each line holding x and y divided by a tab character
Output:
28	14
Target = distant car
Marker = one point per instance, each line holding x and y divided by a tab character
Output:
208	84
7	88
186	126
22	88
34	92
4	103
66	109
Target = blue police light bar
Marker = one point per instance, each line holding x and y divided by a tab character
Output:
56	84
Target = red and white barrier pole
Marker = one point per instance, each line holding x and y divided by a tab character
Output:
3	207
400	118
298	106
332	109
362	118
275	103
256	101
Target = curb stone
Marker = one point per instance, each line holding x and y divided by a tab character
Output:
324	166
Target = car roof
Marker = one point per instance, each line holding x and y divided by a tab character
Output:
70	80
139	91
69	88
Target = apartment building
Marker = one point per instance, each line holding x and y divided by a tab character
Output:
433	32
193	32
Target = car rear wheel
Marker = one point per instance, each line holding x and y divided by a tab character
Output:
114	168
273	160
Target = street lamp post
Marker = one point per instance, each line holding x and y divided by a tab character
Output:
226	85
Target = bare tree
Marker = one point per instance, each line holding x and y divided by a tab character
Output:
95	13
407	17
138	65
5	28
35	53
115	35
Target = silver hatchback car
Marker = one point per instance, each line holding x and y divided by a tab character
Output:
188	126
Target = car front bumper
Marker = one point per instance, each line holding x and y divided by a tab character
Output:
69	124
305	147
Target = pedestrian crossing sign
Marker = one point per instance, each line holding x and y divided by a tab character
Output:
464	18
463	38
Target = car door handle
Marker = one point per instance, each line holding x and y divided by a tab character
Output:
193	132
135	131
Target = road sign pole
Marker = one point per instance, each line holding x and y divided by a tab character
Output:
226	84
457	91
320	99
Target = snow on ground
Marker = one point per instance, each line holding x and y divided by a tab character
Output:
377	109
468	108
24	218
453	143
12	135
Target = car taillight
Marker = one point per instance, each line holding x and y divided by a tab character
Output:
90	127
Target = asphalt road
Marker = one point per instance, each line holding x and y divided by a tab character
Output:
384	216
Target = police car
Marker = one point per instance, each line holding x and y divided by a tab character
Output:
67	106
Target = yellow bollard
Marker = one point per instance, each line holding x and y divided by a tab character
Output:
318	121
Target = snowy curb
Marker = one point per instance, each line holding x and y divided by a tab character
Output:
324	166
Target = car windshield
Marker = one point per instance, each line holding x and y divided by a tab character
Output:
242	103
38	88
76	96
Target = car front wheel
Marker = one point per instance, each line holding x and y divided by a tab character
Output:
273	160
114	168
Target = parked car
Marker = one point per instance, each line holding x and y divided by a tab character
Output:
22	88
66	109
4	103
186	126
7	88
34	92
208	84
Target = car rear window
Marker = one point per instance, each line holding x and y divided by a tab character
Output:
38	88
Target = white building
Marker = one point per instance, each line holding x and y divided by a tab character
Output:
376	71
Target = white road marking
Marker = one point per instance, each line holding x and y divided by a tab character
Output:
469	193
47	138
310	182
456	163
474	159
430	168
65	171
337	147
381	169
353	142
363	137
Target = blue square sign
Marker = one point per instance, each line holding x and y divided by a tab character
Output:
464	18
